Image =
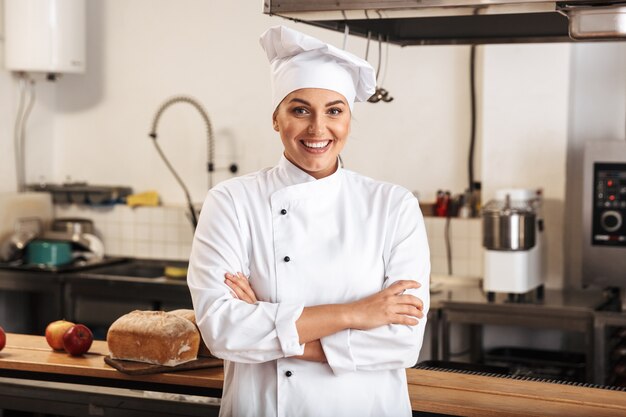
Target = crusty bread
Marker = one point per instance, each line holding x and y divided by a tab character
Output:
154	337
191	316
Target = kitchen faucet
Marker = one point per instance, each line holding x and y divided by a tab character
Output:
210	146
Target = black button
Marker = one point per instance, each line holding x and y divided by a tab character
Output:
288	374
283	212
286	258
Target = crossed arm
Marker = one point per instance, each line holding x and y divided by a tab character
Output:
389	306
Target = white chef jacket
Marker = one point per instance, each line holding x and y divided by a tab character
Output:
305	242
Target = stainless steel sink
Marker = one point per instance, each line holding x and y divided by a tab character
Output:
131	269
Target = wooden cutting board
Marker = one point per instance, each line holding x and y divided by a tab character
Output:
140	368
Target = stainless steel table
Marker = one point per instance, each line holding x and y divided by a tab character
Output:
566	310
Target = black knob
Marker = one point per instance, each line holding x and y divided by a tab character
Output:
283	212
286	258
288	374
611	220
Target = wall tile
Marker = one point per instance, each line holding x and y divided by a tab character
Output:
460	267
171	251
475	227
439	266
459	229
184	251
143	232
127	214
142	250
158	232
437	247
460	248
171	233
185	233
171	215
157	215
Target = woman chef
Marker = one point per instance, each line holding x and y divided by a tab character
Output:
337	264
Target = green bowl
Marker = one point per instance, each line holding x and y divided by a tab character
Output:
50	253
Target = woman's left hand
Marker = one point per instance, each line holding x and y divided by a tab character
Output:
240	287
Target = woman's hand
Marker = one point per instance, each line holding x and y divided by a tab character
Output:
389	306
240	287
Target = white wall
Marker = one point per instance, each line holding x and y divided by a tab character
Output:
141	52
524	125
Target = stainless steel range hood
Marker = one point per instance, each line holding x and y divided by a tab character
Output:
424	22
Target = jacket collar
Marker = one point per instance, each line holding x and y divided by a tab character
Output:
298	176
299	182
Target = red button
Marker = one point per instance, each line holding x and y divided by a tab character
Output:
609	183
611	197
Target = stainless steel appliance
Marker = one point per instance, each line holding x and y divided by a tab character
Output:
604	214
410	22
513	242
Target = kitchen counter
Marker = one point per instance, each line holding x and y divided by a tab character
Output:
454	300
460	290
57	381
57	293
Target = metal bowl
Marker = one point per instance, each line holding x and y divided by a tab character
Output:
72	225
508	227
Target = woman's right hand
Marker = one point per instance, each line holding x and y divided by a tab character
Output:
389	306
240	287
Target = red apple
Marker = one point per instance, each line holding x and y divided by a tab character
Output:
55	332
77	340
3	338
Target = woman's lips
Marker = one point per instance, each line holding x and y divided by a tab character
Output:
316	146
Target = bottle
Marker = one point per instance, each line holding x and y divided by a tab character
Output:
443	204
466	210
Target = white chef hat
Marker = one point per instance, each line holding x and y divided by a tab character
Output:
302	61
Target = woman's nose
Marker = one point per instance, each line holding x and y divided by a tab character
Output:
316	127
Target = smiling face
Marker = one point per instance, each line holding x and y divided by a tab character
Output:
314	125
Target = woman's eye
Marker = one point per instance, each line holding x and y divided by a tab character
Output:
300	111
335	111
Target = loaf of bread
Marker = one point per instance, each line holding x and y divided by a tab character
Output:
191	316
154	337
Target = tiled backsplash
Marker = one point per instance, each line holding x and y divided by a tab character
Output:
143	232
166	233
465	244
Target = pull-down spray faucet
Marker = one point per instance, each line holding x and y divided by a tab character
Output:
210	146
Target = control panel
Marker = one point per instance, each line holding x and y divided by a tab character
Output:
609	204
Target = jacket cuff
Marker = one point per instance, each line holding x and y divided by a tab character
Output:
286	330
338	352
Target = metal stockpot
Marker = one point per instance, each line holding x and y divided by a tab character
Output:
508	228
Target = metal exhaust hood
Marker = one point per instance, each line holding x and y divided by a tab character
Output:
438	22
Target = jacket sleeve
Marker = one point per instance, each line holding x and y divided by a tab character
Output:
233	329
406	256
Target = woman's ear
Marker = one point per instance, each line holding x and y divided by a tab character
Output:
274	121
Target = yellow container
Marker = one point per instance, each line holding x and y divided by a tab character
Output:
148	198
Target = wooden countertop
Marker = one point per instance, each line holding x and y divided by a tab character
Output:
431	391
32	354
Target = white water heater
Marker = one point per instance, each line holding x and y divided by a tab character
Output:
45	35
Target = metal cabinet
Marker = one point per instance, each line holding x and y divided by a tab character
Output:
43	295
608	341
